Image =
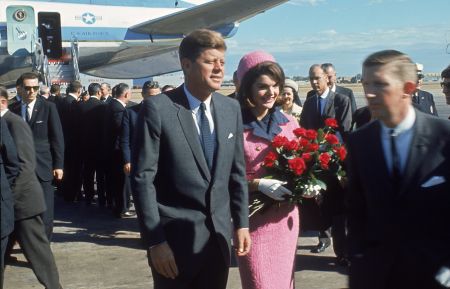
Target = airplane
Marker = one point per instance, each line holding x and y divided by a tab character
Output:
109	41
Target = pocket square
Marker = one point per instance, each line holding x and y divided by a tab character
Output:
433	181
39	121
230	135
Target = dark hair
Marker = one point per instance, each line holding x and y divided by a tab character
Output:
94	88
402	65
446	72
74	86
167	87
269	68
327	65
197	41
27	75
3	92
150	84
55	88
120	89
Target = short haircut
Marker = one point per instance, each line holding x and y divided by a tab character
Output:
167	87
269	68
316	66
120	89
3	92
55	88
74	86
446	72
327	65
149	84
44	90
94	88
107	85
198	41
28	75
402	65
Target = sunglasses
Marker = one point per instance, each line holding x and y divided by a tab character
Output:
28	88
445	84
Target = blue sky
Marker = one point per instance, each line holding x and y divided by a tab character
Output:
302	32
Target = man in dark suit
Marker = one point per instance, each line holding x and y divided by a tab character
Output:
399	185
105	92
29	204
72	155
326	211
423	100
90	115
331	72
188	173
9	168
42	117
115	177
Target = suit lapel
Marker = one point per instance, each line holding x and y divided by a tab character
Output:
222	128
36	109
329	106
190	130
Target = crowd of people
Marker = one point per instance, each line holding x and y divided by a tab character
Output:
191	161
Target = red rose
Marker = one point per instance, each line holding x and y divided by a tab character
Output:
312	147
300	132
311	134
331	122
332	139
341	152
324	159
292	145
297	165
270	159
279	141
307	157
303	142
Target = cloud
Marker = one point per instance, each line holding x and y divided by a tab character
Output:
306	2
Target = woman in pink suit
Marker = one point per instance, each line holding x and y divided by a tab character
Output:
274	231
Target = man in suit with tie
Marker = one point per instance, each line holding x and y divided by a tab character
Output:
326	211
42	117
188	173
423	100
9	168
29	203
398	185
331	73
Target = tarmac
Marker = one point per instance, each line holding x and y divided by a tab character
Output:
94	250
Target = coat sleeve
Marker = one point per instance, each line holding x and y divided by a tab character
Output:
238	184
56	137
124	139
144	166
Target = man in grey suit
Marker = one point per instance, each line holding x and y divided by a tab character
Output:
399	185
188	173
29	202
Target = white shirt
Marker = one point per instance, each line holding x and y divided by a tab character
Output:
121	102
194	104
2	112
30	107
404	133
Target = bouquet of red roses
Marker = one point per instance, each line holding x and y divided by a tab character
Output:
304	161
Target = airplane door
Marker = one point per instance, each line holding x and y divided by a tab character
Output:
49	29
21	30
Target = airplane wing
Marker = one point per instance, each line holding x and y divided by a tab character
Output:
214	14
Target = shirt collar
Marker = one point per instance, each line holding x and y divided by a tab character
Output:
31	104
268	127
121	102
2	112
405	125
333	88
194	103
325	93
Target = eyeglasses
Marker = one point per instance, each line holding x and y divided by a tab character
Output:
445	84
28	88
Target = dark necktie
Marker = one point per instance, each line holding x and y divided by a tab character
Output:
415	98
27	114
206	136
102	98
396	170
320	106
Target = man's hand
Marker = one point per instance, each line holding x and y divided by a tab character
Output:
242	241
162	260
58	174
127	168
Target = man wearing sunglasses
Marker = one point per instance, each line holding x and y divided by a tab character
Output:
43	119
445	84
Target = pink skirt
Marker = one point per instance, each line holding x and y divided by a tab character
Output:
271	261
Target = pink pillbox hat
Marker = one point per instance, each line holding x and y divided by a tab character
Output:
251	60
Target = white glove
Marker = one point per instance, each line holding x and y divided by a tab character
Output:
273	189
